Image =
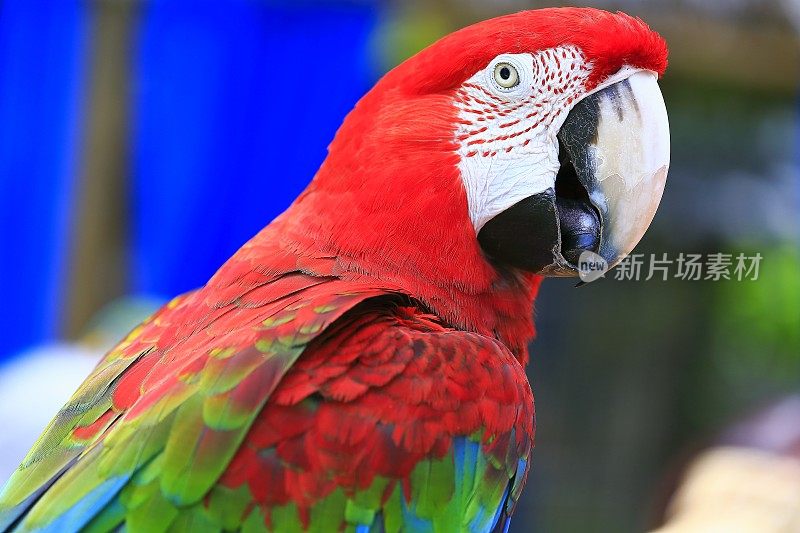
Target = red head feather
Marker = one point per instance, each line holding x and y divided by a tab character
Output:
389	201
609	41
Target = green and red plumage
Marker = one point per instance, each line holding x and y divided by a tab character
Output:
358	365
251	431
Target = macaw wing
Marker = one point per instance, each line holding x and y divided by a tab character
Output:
177	396
389	421
67	435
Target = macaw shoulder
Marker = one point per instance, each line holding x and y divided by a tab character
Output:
393	417
392	357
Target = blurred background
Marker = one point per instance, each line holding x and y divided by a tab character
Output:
142	142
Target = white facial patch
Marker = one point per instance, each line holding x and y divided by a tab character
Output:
507	135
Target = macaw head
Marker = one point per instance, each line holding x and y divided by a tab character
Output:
504	150
563	139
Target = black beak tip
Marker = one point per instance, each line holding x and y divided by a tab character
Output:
525	235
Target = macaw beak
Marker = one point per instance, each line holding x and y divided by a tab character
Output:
614	156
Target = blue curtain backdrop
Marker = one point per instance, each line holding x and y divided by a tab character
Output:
42	71
233	106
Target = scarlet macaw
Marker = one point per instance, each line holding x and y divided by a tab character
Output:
359	364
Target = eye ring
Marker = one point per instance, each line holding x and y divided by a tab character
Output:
506	75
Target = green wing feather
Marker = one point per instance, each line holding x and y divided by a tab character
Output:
186	450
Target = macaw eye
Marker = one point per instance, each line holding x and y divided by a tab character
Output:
506	75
